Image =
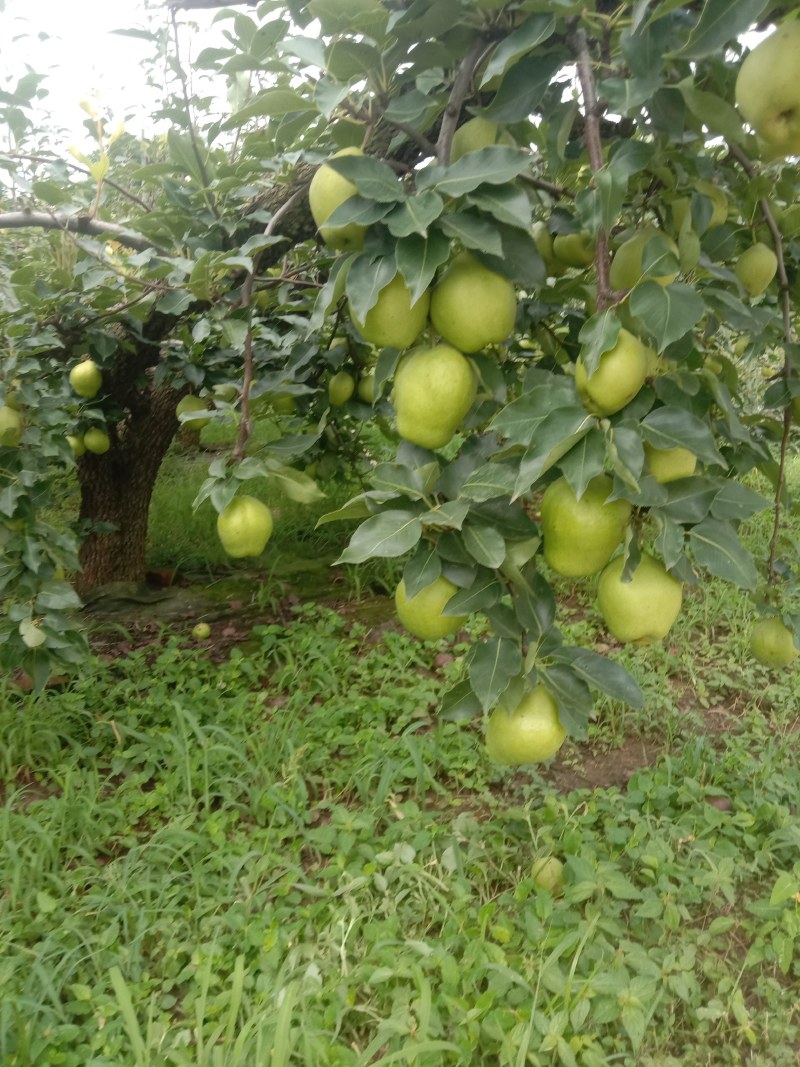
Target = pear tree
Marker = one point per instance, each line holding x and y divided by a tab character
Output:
571	274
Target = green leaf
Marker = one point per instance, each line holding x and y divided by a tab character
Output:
489	481
357	508
390	534
690	499
787	887
603	674
575	703
32	636
447	516
418	259
506	203
415	214
735	501
484	592
584	461
524	39
272	103
598	334
720	21
485	544
523	88
716	114
717	547
493	665
297	485
557	433
374	179
424	567
399	479
494	165
534	605
473	231
459	703
673	427
518	422
365	279
666	311
359	210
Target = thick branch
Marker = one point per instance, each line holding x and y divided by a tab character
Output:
83	224
458	94
594	146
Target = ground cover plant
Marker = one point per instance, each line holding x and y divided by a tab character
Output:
273	850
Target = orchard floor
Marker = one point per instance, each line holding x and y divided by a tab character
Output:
266	848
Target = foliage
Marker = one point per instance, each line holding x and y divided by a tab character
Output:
215	279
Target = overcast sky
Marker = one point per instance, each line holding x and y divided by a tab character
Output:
73	43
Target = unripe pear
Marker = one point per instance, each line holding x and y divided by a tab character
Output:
544	242
86	379
642	609
423	614
76	443
475	134
756	267
10	427
393	321
772	642
768	91
580	534
366	388
433	391
669	464
340	388
619	376
574	249
533	732
473	306
329	189
626	266
97	441
244	527
192	406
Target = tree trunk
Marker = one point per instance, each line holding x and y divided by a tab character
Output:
116	488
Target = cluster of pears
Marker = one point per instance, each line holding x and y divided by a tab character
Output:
581	536
469	307
86	380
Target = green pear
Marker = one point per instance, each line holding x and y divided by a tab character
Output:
669	464
472	306
626	266
768	91
393	321
580	534
544	242
366	388
423	614
340	388
244	527
327	191
10	427
756	267
475	134
533	732
76	443
86	379
643	609
619	376
433	391
191	406
772	642
548	873
97	441
574	249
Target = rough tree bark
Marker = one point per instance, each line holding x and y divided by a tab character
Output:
117	487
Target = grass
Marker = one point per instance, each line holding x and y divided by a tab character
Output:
285	858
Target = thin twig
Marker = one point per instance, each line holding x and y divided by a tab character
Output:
788	336
81	170
198	155
458	94
245	426
592	111
559	192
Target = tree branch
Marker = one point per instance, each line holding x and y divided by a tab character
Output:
592	110
82	224
788	336
458	95
81	170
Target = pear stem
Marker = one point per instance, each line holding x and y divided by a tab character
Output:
788	337
593	109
